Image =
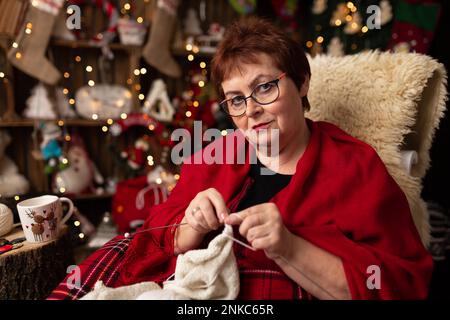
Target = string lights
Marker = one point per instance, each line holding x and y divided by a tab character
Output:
346	14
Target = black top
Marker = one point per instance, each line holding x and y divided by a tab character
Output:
264	187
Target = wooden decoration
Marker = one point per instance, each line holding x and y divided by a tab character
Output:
34	270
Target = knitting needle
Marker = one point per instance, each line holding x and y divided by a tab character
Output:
128	235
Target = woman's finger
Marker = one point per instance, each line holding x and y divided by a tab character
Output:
258	232
218	203
262	243
250	222
195	220
208	213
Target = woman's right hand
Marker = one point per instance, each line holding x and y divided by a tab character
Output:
205	213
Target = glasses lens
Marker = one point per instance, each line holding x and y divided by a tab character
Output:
235	106
266	93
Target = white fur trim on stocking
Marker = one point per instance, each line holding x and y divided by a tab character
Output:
169	5
50	6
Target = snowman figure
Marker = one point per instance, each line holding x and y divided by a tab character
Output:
79	177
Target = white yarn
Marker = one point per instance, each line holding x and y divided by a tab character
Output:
201	274
6	219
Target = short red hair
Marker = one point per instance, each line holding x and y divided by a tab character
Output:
247	38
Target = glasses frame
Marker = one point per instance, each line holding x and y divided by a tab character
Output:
224	102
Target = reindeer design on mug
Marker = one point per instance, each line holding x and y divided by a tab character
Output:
52	220
38	227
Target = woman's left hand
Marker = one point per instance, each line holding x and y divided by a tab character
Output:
264	229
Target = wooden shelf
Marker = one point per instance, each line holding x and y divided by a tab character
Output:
85	44
68	122
78	197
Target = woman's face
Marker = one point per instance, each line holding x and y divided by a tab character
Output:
284	114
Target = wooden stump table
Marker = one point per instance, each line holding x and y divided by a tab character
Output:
35	269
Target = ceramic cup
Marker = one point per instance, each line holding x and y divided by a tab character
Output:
42	217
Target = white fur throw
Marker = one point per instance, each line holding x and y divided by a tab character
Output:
202	274
392	101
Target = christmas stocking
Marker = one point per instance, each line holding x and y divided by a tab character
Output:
157	50
414	25
29	54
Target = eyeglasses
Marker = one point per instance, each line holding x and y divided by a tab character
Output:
263	94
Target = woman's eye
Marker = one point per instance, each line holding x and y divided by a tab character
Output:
264	87
237	101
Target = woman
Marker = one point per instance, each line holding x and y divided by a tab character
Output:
329	222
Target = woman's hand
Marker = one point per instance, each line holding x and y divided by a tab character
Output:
205	213
264	229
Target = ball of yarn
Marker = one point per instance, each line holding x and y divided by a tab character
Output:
6	219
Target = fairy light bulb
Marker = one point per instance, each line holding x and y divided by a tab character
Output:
319	39
2	75
91	83
105	129
15	45
60	123
127	6
141	97
202	65
17	198
191	57
137	72
143	71
123	116
77	223
94	116
140	20
78	59
89	68
189	47
201	84
110	121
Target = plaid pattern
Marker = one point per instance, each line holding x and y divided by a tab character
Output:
101	265
256	284
269	285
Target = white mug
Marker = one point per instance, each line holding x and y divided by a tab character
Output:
42	217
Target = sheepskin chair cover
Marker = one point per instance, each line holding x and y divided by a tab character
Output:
201	274
392	101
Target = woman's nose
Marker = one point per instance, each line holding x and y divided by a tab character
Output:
253	108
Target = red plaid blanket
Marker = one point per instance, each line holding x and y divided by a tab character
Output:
101	265
104	264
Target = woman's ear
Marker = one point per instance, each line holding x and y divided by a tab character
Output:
305	87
